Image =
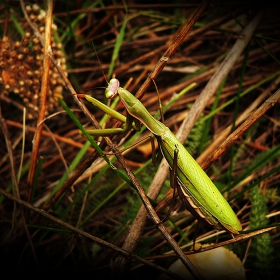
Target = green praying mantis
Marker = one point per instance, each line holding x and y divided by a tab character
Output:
199	194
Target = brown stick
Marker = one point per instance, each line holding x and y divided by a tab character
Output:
43	99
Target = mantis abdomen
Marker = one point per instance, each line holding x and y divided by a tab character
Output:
200	192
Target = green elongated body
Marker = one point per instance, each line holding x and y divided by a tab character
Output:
202	197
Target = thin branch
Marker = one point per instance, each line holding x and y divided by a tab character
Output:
268	104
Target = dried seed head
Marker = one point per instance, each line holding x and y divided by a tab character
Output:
6	46
35	8
22	90
21	64
35	40
40	17
42	13
25	41
25	50
32	17
53	81
36	82
17	45
54	75
27	35
38	48
13	54
54	27
30	59
28	82
12	82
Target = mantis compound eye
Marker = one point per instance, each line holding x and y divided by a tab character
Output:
112	89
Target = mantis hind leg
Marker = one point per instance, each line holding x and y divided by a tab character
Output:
156	158
173	173
176	185
173	182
